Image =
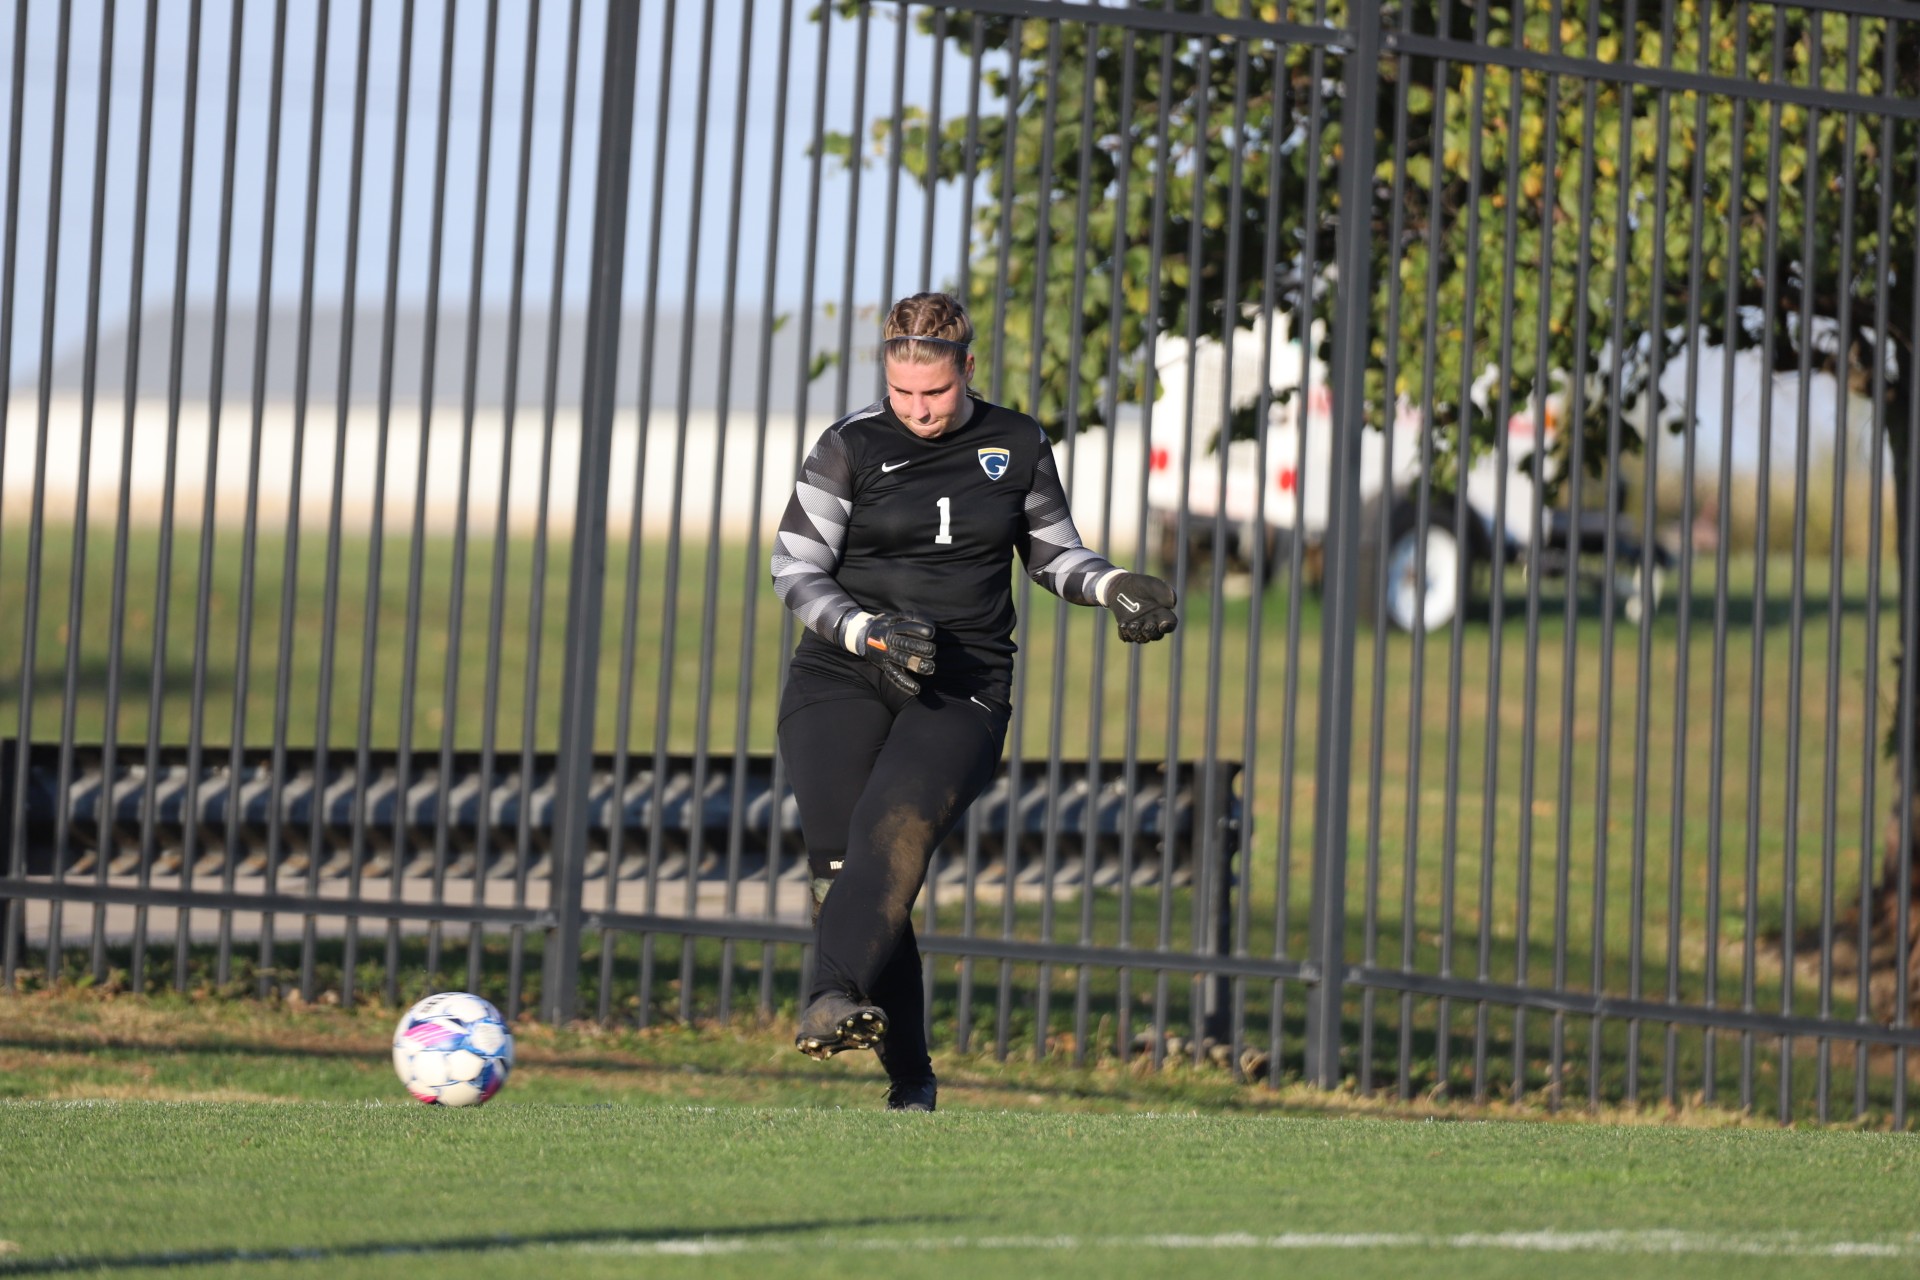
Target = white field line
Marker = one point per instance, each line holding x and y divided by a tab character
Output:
1768	1245
1672	1243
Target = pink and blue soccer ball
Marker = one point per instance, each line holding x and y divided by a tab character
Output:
453	1050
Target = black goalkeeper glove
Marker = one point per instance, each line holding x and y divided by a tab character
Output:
898	644
1144	606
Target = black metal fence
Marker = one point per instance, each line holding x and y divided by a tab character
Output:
400	398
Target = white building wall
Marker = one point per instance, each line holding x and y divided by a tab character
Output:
695	476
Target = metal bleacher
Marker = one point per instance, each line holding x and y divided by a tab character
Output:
715	819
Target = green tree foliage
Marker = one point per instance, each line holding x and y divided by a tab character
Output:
1168	148
1688	214
1207	169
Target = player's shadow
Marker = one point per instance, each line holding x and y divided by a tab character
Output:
717	1239
89	1044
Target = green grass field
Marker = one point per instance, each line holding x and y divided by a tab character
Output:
233	1139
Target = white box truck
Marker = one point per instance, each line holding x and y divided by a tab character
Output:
1427	563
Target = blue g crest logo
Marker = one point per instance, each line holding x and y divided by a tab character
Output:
995	462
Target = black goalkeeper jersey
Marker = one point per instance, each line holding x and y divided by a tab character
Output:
883	521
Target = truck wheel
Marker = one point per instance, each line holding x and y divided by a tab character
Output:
1408	601
1627	586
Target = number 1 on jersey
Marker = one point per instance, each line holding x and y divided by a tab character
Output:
945	537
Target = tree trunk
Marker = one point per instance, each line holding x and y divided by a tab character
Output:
1888	945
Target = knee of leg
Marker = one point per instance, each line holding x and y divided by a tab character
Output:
825	865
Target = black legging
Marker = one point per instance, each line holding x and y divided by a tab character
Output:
881	779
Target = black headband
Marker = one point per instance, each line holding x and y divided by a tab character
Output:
915	337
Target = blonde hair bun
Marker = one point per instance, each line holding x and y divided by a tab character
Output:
927	328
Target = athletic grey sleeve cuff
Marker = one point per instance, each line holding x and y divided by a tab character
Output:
853	631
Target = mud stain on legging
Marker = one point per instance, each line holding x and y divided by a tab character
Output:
905	837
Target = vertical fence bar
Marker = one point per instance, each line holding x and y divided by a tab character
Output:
1300	334
36	532
250	529
1333	766
1423	495
417	543
754	580
1797	597
1649	494
537	585
1872	752
1130	767
670	576
1909	531
123	515
1536	527
803	381
863	30
1211	872
1109	412
1024	592
1245	1060
1057	712
623	714
1617	387
290	554
1196	163
487	814
755	561
163	572
1381	515
329	610
969	905
1003	302
670	587
12	914
1496	597
937	80
896	127
443	789
1463	560
560	989
203	584
1836	543
77	581
1689	414
1757	689
710	591
1722	581
1082	251
363	815
1570	617
962	286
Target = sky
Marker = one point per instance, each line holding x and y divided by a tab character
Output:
703	70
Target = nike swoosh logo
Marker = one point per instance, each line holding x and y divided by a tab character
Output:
895	466
983	706
1130	605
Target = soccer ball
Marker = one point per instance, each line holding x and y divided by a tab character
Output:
453	1050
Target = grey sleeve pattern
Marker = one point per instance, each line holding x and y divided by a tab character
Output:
1055	557
812	535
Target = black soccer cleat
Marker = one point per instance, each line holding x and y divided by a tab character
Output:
833	1024
912	1095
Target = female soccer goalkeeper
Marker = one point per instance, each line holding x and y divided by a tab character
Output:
896	554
